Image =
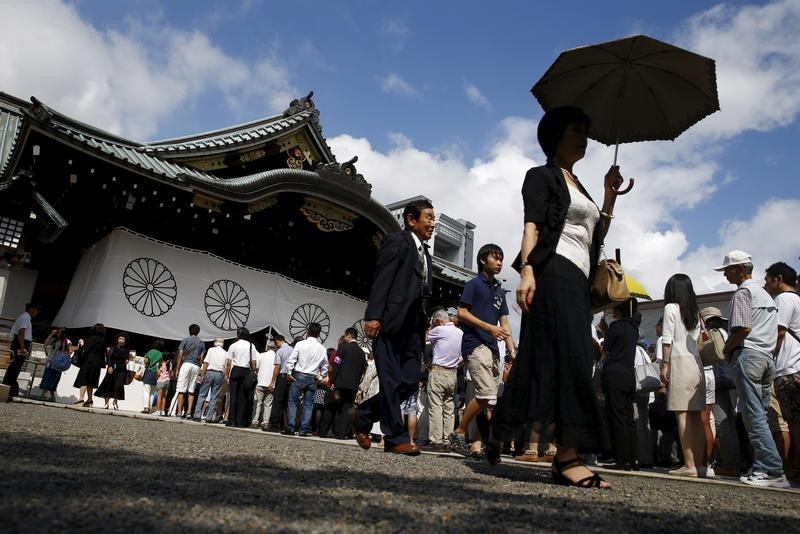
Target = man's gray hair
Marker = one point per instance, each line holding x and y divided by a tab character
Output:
748	267
441	315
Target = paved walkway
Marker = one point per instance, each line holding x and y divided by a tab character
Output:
70	468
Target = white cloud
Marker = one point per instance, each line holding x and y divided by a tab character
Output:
757	52
397	34
394	84
126	81
476	97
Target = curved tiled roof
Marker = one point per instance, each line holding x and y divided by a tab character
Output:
244	134
132	155
242	188
348	190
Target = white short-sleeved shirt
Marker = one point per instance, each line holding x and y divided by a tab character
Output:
265	363
23	321
788	360
242	353
216	358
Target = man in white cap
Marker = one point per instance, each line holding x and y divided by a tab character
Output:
753	330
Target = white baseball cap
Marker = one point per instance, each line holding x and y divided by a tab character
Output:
735	257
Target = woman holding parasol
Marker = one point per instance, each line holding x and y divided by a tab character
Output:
564	229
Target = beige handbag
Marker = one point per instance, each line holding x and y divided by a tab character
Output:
608	285
710	344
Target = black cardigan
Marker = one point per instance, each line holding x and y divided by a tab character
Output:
546	198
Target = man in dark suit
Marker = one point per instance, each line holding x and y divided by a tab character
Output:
348	368
395	318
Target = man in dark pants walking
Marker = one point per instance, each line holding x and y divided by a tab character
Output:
395	318
21	339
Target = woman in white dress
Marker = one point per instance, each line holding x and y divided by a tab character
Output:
682	372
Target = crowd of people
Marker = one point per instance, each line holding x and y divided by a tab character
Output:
570	393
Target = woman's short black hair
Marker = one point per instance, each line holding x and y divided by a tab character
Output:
554	122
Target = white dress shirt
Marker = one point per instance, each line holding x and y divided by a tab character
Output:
242	353
309	356
216	358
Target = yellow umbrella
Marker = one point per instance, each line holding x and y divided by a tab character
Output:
636	288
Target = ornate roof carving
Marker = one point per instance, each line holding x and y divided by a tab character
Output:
299	105
346	170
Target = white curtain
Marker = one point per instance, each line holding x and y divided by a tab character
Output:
134	283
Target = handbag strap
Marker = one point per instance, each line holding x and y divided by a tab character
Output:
792	332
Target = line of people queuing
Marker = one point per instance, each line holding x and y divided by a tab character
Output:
733	417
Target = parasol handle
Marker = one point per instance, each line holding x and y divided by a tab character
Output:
627	189
630	184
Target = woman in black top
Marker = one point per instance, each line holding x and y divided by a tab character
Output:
113	385
551	382
91	358
619	384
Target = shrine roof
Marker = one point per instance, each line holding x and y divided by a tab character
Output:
301	112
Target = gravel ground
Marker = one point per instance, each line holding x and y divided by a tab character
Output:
69	470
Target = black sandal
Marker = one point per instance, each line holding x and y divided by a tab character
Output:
593	481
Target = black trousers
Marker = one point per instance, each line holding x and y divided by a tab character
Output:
15	367
620	391
279	398
397	361
238	416
343	424
326	419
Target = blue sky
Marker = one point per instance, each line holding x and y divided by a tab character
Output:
434	99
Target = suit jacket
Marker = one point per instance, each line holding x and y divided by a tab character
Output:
397	288
353	362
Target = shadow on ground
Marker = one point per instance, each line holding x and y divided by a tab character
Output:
59	483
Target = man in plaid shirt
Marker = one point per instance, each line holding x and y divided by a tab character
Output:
753	328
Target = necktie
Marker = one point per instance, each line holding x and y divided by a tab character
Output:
424	264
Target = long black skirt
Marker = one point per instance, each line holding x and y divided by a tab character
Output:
113	385
551	382
88	374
